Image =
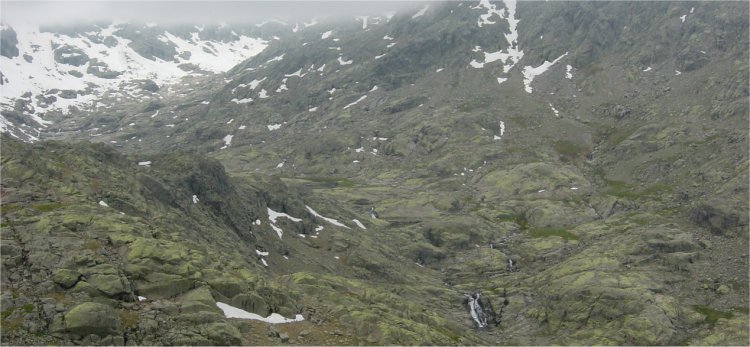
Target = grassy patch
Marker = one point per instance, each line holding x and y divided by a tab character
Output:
519	219
712	315
658	188
47	207
620	189
129	319
92	245
547	232
330	182
28	308
568	150
7	312
620	134
59	297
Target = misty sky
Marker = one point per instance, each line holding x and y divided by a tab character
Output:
170	12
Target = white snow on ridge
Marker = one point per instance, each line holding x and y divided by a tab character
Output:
363	19
512	55
242	101
355	102
345	62
557	113
491	10
274	318
329	220
216	56
227	141
254	83
144	163
262	254
421	12
359	224
529	73
568	72
297	73
326	34
195	199
273	215
272	127
102	203
43	73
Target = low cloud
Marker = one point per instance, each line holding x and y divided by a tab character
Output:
179	12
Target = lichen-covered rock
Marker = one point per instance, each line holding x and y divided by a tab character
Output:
162	285
223	334
92	318
66	278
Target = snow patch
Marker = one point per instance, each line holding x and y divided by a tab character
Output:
359	224
529	72
329	220
102	203
242	101
557	113
273	216
568	72
421	12
227	141
274	318
345	62
272	127
355	102
363	19
326	35
195	199
144	163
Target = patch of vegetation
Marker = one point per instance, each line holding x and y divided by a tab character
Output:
569	151
28	308
7	312
620	189
92	245
59	297
657	189
129	319
519	219
330	182
47	207
547	232
712	315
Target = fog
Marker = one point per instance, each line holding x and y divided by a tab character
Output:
178	12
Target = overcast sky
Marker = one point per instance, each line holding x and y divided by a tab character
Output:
170	12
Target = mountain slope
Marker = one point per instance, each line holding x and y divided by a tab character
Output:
578	169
